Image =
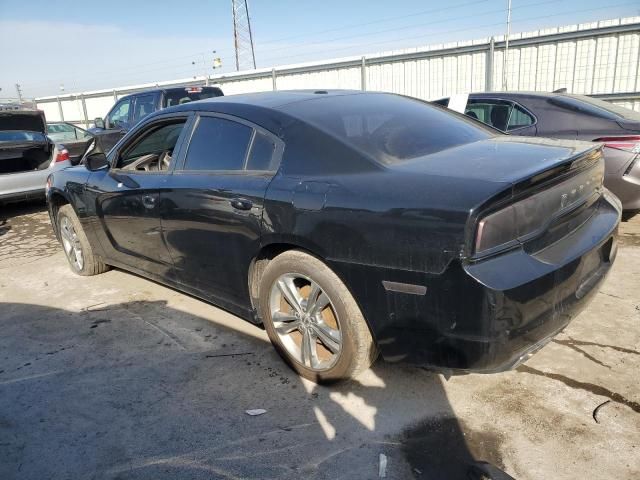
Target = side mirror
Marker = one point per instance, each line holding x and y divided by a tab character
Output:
94	158
96	161
99	122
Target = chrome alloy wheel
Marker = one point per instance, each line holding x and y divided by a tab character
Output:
305	321
71	243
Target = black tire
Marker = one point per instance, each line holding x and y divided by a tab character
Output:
357	351
70	230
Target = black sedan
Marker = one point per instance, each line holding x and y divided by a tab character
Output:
563	115
350	223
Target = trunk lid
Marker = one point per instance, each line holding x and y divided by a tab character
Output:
23	121
519	161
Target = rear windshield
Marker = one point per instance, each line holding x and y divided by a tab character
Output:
389	128
186	95
13	136
596	107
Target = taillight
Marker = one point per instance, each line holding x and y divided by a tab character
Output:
629	143
63	155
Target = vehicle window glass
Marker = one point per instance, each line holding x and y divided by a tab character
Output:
144	106
119	117
594	107
492	112
218	144
261	156
80	133
17	136
519	118
190	94
154	150
388	128
59	128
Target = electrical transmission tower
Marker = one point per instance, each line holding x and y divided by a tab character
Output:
245	58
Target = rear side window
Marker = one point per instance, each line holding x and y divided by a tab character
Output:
218	144
388	128
262	155
144	105
501	114
519	118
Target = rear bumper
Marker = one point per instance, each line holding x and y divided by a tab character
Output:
625	182
25	185
492	315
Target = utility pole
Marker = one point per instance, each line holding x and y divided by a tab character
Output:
19	91
505	63
243	38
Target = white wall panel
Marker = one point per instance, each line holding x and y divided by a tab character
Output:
565	64
585	59
627	63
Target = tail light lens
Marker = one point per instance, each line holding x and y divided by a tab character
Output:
62	155
527	218
628	143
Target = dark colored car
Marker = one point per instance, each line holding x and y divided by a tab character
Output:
74	139
562	115
349	223
131	109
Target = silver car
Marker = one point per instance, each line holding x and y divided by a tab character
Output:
27	155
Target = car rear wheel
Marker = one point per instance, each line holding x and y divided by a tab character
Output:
75	244
313	320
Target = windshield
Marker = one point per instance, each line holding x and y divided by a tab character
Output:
389	128
190	94
14	136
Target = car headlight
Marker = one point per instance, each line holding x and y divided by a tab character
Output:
526	218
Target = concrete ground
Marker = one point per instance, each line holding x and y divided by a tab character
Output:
117	377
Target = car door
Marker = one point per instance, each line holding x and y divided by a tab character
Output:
126	196
211	209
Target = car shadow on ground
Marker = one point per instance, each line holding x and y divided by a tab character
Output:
11	210
143	390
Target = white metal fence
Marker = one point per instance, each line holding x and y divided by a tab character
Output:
599	58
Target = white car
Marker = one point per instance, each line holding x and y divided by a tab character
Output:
27	155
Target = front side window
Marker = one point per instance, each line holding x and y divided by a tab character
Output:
119	117
218	144
153	151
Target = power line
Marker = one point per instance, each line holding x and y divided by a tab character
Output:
142	67
465	29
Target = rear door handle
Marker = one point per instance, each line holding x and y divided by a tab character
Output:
149	201
241	204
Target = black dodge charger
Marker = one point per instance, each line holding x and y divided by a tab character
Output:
350	223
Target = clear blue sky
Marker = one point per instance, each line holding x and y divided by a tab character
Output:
90	45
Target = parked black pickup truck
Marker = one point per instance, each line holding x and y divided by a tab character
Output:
131	109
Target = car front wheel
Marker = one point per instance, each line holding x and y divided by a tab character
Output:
313	320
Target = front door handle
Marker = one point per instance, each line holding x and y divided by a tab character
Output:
241	204
149	201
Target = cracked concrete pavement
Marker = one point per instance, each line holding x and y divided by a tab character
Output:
117	377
